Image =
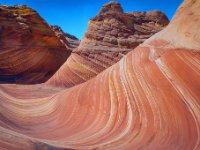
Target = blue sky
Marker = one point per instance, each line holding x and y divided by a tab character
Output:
73	15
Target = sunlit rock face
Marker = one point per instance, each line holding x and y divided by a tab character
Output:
29	50
110	36
71	42
149	100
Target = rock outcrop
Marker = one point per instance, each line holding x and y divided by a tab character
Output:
29	50
70	41
149	100
110	36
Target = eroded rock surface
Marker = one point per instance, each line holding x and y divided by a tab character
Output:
111	34
29	50
149	100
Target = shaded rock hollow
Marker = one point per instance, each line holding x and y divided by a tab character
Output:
29	50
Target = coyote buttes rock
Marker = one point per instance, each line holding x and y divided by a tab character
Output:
149	100
70	41
29	50
110	35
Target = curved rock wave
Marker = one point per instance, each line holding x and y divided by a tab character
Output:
149	100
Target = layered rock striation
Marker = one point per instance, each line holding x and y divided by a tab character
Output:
29	50
111	34
149	100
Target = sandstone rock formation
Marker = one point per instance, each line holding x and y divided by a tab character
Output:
29	50
110	35
70	41
149	100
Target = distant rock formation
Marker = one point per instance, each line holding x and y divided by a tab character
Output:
29	50
70	41
110	36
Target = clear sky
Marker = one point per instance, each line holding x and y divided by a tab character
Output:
73	15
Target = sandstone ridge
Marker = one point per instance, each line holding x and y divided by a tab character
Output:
111	34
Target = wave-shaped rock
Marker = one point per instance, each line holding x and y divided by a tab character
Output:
29	50
149	100
70	41
110	35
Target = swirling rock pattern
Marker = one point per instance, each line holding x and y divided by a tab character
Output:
149	100
29	50
110	35
70	41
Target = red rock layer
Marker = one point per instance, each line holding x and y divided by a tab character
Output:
29	50
149	100
71	42
110	35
